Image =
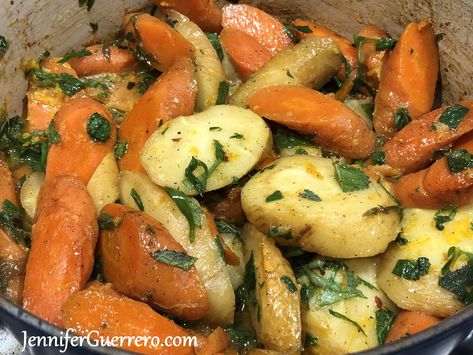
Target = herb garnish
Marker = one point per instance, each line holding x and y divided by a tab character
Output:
412	269
401	239
309	195
89	3
3	45
290	33
108	222
174	258
275	196
303	29
453	116
11	221
278	232
237	136
76	54
215	128
459	281
459	160
384	320
227	228
350	178
67	83
310	341
223	91
120	149
136	197
286	139
344	317
220	248
98	128
214	40
291	286
378	158
94	26
240	338
444	215
148	77
401	118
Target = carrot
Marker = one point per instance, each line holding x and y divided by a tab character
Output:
230	257
264	28
7	184
203	12
161	43
345	45
373	60
408	78
62	250
215	343
102	312
246	54
12	267
413	147
77	154
336	127
127	263
172	95
410	191
116	61
408	322
229	207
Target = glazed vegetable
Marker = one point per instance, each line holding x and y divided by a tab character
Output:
210	265
29	193
409	77
329	208
311	63
143	261
206	151
85	135
62	250
172	95
272	294
408	323
102	311
334	126
103	185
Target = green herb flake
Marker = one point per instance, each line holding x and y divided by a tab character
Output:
309	195
311	341
300	151
52	134
444	215
148	78
221	250
249	280
94	27
344	317
11	220
453	116
237	136
215	128
285	139
382	210
275	196
303	29
378	158
401	239
188	208
412	269
67	83
291	286
178	259
350	178
401	118
288	73
290	33
76	54
136	197
278	232
223	91
3	45
460	280
383	44
439	36
89	3
98	128
108	222
214	40
384	321
227	228
120	149
459	160
240	338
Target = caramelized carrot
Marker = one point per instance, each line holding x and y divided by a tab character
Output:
246	54
407	323
116	61
409	77
229	207
128	264
62	250
336	127
373	60
413	147
172	95
7	184
102	312
77	154
267	30
203	12
157	39
345	45
230	257
215	343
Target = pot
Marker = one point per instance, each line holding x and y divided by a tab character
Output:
58	26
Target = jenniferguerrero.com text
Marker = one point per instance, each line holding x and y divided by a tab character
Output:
93	338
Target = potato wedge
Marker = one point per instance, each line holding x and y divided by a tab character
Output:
243	136
319	319
210	266
103	185
29	193
276	312
312	62
209	69
425	240
341	225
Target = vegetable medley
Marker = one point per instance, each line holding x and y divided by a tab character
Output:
266	187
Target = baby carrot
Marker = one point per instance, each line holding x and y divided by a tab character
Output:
172	95
215	343
407	323
62	249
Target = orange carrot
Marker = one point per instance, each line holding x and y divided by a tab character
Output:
246	54
162	43
229	207
13	258
7	184
230	256
336	127
413	147
203	12
407	323
267	30
77	154
215	343
409	77
345	45
128	264
117	60
101	311
62	250
172	95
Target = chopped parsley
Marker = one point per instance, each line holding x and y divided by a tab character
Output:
237	136
291	286
444	215
240	338
290	33
98	128
221	250
52	134
227	228
401	118
385	43
68	84
382	210
214	40
215	128
378	158
288	73
148	78
401	239
108	222
178	259
275	196
412	269
344	317
384	321
310	341
278	232
120	149
460	280
3	45
350	178
223	91
286	139
459	160
11	221
453	116
76	54
136	197
309	195
249	281
303	29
